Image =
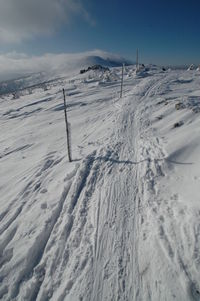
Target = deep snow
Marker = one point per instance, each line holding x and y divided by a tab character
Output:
122	221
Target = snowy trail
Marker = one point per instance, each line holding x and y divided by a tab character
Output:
133	218
110	228
118	248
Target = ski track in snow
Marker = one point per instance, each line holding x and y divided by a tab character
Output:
105	227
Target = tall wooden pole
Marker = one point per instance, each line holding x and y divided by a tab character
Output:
67	129
137	60
122	81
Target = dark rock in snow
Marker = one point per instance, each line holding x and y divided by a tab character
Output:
179	106
94	67
178	124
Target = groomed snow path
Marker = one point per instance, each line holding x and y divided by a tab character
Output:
116	232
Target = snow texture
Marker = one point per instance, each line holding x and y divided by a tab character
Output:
122	221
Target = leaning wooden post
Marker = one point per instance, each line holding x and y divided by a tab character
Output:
122	81
67	129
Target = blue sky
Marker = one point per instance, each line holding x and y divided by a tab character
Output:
166	32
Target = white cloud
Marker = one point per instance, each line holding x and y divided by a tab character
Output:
24	19
14	64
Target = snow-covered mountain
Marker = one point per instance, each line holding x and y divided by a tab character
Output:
122	220
17	72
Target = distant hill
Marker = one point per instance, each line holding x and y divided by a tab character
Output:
20	72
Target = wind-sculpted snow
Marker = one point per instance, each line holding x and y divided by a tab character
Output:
121	222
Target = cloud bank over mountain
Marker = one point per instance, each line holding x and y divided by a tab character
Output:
13	65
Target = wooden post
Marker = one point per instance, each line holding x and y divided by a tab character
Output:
67	129
137	61
122	81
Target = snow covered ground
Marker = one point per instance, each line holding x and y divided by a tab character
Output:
122	221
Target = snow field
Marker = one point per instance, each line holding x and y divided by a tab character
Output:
121	222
